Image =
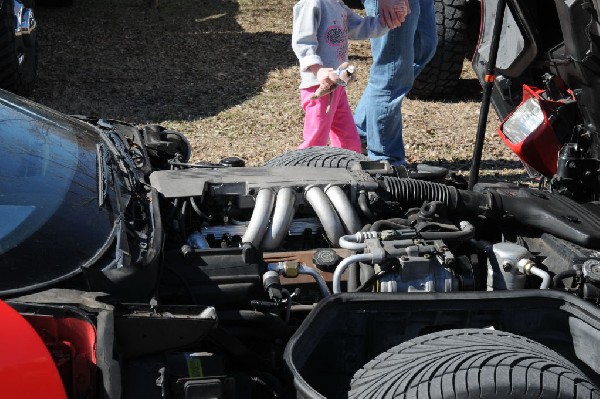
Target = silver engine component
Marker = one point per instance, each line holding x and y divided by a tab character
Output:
297	227
425	273
402	265
273	197
503	273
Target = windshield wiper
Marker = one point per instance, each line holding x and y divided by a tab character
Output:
103	171
119	156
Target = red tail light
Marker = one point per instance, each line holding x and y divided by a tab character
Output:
27	370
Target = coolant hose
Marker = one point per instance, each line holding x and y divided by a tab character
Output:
466	233
282	218
390	225
363	204
325	212
558	279
341	268
344	208
260	217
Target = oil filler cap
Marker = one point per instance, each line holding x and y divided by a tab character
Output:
591	270
326	259
234	162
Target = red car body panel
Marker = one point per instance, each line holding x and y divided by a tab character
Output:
27	369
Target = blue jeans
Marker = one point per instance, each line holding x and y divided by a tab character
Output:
398	57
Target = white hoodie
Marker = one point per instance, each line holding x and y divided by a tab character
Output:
321	30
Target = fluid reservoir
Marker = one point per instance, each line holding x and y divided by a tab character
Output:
503	273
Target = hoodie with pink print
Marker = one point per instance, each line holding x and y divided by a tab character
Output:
321	30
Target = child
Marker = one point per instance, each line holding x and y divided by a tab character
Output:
321	29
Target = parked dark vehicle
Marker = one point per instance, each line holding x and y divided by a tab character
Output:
130	272
18	46
458	23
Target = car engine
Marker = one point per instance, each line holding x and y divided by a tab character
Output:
400	233
218	280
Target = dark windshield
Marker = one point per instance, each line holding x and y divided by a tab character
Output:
51	223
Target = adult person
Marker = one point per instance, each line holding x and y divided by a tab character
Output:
398	57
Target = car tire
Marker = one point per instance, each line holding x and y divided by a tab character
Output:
18	61
326	157
441	75
470	363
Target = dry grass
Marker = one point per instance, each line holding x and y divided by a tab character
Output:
223	73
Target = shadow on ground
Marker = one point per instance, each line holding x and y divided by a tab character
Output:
121	59
465	90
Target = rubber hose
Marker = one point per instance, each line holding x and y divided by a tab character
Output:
378	225
363	204
413	193
557	281
466	234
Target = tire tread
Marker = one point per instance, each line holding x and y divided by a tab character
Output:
327	157
440	76
471	363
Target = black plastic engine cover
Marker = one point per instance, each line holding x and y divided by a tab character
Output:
551	213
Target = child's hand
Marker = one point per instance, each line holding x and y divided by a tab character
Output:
346	74
327	78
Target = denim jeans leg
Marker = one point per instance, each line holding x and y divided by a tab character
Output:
397	57
426	38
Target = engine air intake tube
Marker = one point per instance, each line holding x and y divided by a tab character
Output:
541	210
412	193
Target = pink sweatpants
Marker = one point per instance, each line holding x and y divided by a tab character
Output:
337	125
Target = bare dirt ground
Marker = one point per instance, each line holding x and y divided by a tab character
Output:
223	73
